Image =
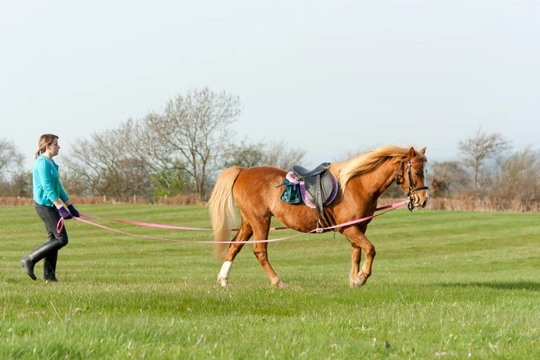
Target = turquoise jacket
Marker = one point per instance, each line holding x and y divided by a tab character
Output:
46	182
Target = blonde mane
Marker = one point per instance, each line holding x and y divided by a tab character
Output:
367	162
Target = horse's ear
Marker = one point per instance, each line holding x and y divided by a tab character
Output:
412	153
423	151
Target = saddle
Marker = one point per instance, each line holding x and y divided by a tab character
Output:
301	172
318	187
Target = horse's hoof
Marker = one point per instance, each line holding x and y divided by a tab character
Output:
280	284
360	280
223	282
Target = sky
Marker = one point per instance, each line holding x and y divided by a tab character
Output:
331	77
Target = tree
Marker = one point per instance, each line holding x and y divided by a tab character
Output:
19	185
277	154
245	155
447	178
196	127
13	181
518	179
113	169
11	159
163	154
481	147
169	175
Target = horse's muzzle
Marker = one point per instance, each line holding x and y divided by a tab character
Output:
417	201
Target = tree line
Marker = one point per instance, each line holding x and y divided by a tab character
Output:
180	150
176	152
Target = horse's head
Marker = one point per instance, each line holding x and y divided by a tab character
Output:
410	177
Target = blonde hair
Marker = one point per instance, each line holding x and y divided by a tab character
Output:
364	163
44	141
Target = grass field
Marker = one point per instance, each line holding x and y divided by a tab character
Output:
448	285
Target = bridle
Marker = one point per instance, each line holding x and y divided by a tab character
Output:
412	188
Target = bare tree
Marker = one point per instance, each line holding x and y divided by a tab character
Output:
279	154
245	155
481	147
447	178
20	184
169	175
113	169
13	180
518	179
162	154
196	128
11	159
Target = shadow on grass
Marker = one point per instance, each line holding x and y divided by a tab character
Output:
505	285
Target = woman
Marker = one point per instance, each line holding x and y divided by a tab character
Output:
50	198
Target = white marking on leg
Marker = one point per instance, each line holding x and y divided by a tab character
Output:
224	273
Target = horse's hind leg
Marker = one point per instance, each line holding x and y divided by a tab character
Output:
261	253
242	236
261	229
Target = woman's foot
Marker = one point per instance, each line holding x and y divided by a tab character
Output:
28	266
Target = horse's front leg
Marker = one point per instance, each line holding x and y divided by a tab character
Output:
359	243
356	255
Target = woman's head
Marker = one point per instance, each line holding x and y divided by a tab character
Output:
45	141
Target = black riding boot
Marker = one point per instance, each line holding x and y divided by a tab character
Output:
49	266
29	261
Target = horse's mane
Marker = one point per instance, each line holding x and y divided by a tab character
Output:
369	161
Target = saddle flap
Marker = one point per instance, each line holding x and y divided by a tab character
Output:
320	187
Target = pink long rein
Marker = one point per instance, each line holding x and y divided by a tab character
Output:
60	226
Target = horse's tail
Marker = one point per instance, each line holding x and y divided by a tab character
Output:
221	207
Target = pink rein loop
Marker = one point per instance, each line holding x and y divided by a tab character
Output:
60	225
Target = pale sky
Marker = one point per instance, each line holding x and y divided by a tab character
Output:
330	77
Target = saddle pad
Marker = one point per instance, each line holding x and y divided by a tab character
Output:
295	187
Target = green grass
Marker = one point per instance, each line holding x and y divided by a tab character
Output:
449	285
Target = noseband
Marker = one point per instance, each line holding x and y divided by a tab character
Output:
412	188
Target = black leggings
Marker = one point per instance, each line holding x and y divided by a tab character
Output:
50	216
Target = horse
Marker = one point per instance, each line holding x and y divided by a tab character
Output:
361	180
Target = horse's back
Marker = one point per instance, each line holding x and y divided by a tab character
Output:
259	181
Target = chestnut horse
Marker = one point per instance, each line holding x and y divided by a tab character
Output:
362	179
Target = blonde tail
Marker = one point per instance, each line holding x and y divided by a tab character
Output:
221	208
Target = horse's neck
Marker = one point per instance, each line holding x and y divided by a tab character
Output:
376	182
